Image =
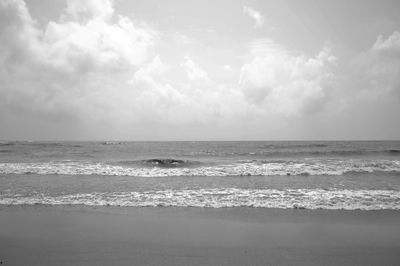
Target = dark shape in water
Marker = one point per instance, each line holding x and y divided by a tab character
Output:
111	143
6	143
293	145
166	162
393	151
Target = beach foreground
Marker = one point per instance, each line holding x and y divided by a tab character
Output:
76	235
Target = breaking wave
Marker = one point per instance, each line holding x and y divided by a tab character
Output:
224	197
159	162
169	168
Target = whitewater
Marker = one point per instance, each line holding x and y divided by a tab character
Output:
303	175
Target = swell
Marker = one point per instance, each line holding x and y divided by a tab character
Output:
244	168
223	198
39	145
7	143
267	150
288	152
393	151
159	162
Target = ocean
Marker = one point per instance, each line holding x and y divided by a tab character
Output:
346	175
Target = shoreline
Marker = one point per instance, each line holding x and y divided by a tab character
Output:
82	235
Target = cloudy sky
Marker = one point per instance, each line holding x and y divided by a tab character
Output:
199	70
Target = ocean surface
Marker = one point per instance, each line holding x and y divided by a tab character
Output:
264	174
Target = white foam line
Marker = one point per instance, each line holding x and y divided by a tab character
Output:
316	167
227	197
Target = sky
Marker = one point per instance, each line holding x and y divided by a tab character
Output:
199	70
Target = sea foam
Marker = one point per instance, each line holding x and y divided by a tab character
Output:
222	198
243	168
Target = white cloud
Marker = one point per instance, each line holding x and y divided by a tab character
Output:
71	64
227	68
95	68
96	73
193	71
89	9
392	43
254	14
279	81
19	37
378	68
74	46
96	43
195	100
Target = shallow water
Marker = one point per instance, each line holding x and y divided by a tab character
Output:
327	175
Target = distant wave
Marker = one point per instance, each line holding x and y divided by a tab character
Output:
224	197
244	168
286	152
208	149
7	143
288	145
111	143
355	152
160	162
40	144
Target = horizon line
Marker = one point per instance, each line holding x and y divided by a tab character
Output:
213	140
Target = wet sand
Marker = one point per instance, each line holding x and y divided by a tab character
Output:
75	235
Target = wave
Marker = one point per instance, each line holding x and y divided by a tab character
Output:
244	168
39	145
288	152
174	150
7	143
224	197
355	152
165	163
288	145
111	143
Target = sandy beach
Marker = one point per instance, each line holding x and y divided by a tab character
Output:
75	235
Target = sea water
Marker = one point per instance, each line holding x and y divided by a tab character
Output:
263	174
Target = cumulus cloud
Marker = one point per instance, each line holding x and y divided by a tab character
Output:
73	44
96	43
193	71
255	15
277	80
391	44
80	62
191	100
89	9
379	67
88	69
94	67
18	32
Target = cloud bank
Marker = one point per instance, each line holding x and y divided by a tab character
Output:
382	64
287	83
77	66
94	72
